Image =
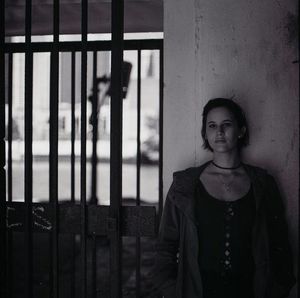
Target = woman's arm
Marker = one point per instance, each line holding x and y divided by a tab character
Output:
165	268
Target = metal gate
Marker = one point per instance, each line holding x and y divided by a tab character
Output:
86	226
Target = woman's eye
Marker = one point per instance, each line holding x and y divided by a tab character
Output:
227	124
212	126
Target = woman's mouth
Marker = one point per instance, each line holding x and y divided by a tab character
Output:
220	141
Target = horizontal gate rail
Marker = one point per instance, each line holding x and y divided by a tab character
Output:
136	221
69	46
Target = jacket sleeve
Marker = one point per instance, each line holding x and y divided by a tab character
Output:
281	263
165	269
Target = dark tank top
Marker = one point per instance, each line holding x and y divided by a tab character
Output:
225	235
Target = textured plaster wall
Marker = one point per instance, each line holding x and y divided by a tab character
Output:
246	49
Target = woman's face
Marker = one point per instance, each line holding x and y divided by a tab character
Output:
222	131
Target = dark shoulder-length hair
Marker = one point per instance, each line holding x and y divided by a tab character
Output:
235	109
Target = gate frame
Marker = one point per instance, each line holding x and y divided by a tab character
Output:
116	225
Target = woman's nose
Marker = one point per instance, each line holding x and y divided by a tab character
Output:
220	130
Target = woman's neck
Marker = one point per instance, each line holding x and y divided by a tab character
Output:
227	160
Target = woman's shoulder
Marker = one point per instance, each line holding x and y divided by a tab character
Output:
184	181
256	169
260	174
190	172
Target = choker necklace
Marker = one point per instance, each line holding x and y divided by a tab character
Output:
223	168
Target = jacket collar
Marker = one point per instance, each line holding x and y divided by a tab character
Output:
184	190
257	177
185	185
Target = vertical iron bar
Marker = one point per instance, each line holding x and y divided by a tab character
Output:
138	160
53	156
94	118
3	272
117	14
94	266
138	173
84	16
9	128
161	104
9	172
28	154
73	68
94	168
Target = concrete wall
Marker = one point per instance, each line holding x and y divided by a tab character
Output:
221	48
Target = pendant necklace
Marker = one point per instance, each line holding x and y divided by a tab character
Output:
226	185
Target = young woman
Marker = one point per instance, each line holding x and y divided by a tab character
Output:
223	232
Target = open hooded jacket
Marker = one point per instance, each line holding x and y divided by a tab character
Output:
176	272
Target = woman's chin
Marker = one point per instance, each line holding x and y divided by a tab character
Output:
223	149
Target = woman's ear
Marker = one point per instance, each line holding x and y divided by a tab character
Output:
242	132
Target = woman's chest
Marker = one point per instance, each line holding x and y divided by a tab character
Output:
226	187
